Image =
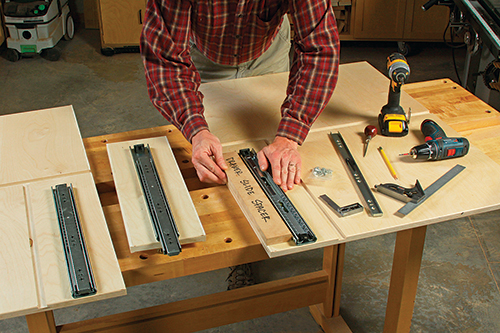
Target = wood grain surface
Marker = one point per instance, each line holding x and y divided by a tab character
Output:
464	112
263	217
249	108
471	192
18	292
357	101
40	144
53	272
274	242
40	149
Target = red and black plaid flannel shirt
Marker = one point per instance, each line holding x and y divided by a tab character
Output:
231	32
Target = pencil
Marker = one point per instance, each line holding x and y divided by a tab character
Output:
387	162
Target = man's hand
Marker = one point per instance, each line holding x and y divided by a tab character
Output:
285	162
207	158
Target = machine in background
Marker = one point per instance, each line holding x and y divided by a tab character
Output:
479	23
36	26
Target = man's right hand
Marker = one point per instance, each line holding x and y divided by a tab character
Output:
208	159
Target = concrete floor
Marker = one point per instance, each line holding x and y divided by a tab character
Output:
458	286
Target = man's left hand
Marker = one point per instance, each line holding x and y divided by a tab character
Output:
285	162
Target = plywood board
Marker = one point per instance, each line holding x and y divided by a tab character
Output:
18	291
249	108
40	144
39	149
473	191
133	205
53	273
318	222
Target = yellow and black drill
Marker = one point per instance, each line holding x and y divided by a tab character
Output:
392	119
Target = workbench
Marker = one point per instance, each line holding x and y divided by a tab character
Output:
231	241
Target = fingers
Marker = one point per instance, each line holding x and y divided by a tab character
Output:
285	163
293	176
208	171
263	163
290	174
208	159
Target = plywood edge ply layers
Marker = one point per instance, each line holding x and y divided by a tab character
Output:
133	205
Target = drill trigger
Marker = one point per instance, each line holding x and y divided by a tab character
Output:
413	194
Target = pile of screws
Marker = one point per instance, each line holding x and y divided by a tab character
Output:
322	172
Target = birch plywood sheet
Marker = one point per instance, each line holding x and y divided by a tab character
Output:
134	209
40	144
249	108
18	292
473	191
275	243
360	94
53	274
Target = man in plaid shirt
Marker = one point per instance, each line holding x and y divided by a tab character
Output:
184	40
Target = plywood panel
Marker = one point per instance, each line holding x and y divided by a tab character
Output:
249	108
18	292
53	277
324	230
40	149
133	205
472	191
40	144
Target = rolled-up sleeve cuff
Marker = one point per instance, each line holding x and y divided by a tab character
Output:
193	126
293	129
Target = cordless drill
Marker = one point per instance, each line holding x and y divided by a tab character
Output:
392	119
437	145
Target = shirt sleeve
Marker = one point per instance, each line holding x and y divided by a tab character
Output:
314	71
171	77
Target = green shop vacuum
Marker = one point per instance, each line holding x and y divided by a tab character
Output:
36	26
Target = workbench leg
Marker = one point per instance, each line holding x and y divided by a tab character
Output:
404	279
327	314
42	322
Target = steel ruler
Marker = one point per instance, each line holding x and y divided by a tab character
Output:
159	210
301	232
355	172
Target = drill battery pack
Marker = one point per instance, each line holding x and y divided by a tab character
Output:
393	124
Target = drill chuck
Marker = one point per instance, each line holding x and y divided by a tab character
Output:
398	68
